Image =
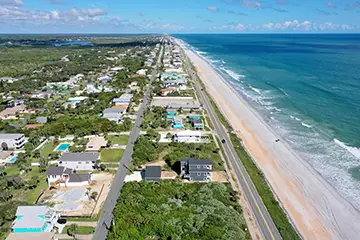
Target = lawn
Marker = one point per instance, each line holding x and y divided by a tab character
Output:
111	155
47	149
121	139
174	210
82	230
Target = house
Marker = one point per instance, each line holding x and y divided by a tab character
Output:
95	144
187	136
62	176
171	114
93	88
184	103
166	91
196	169
12	141
197	123
5	157
41	119
177	123
174	82
77	99
33	126
30	219
141	72
114	114
10	113
152	173
32	236
104	79
79	161
194	116
124	99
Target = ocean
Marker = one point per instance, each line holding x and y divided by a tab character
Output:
306	87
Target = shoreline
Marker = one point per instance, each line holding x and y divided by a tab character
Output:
315	208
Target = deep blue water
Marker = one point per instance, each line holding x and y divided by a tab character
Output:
306	87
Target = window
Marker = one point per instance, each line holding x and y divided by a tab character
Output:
87	162
79	162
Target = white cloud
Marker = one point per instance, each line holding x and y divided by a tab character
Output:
251	4
212	9
13	14
17	3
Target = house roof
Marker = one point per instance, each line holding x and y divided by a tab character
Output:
29	222
121	106
188	133
55	171
194	120
41	119
95	143
79	177
5	154
153	172
11	136
193	161
79	157
31	210
31	236
114	110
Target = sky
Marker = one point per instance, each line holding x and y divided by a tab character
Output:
179	16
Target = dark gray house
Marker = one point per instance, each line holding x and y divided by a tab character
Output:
152	173
196	169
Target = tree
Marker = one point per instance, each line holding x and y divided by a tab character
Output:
102	167
72	230
33	182
43	164
94	195
168	135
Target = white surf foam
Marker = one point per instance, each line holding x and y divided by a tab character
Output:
232	74
256	89
201	53
306	125
353	150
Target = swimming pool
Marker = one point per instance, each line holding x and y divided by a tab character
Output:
13	159
63	147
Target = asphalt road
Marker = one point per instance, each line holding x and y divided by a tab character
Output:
262	216
106	216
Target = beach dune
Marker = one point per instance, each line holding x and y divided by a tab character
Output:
315	207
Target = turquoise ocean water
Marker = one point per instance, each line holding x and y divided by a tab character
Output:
306	87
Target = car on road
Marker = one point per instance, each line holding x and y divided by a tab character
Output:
223	141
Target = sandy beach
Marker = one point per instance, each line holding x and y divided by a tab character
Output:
315	207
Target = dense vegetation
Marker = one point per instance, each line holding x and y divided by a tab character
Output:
172	210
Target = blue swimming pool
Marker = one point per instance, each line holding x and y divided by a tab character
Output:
63	147
13	159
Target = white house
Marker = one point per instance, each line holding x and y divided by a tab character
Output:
62	176
141	72
124	99
34	219
187	136
114	114
12	141
79	161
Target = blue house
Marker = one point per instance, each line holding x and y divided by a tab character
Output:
178	124
171	114
30	219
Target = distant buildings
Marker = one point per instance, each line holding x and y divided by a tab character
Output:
12	141
11	112
79	161
196	170
30	219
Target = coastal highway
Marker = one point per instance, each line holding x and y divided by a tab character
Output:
262	216
106	216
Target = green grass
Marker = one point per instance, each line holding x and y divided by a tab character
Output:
82	230
12	170
91	219
121	139
47	149
209	122
111	155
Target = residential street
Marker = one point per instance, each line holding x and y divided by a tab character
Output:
107	211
